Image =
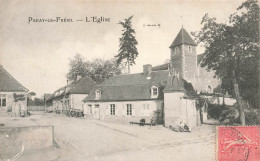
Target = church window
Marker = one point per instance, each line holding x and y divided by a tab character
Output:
190	49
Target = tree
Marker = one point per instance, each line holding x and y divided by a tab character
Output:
127	46
232	50
102	69
78	67
98	69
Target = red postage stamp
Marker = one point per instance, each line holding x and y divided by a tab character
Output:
238	143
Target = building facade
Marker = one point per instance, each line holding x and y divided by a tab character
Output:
13	95
71	95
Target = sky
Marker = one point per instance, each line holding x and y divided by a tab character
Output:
37	54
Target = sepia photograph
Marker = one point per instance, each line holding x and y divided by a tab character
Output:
129	80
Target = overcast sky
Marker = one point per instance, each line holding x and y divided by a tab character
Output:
37	54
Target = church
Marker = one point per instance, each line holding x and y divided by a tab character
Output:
166	93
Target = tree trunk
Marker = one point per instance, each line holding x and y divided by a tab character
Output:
128	65
240	105
223	101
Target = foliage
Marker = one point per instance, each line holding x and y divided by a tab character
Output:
127	46
36	102
18	97
32	93
78	67
252	117
101	69
215	110
98	69
232	50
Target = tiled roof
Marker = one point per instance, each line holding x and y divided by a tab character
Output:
183	38
134	87
82	86
137	79
175	83
130	87
9	83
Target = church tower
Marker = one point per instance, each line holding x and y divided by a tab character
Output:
184	56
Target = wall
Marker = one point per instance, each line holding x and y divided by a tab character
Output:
189	62
140	109
178	109
34	137
12	106
76	101
177	59
203	79
36	108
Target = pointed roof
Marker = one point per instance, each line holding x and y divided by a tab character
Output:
176	83
9	83
183	37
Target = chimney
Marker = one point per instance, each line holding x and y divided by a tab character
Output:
147	69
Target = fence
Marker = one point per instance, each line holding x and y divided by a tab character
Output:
36	108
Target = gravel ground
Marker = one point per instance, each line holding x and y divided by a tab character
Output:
81	139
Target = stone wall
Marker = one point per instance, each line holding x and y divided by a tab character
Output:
34	137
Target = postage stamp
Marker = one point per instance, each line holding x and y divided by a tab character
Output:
238	143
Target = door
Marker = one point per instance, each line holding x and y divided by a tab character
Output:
97	112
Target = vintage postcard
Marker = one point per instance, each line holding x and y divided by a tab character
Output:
129	80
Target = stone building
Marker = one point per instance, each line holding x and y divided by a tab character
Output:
13	95
71	95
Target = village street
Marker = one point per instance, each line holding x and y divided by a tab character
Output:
83	139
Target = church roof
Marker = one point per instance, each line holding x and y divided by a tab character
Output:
8	83
176	83
183	38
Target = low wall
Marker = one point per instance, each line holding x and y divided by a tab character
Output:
36	108
34	137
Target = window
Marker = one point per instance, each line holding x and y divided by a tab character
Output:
3	100
154	92
97	106
176	49
98	94
129	109
112	109
90	108
190	49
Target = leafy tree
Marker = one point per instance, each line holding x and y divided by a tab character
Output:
127	46
98	69
102	69
232	50
78	67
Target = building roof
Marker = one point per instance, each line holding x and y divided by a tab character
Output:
8	83
183	37
134	87
46	96
176	83
82	86
130	87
